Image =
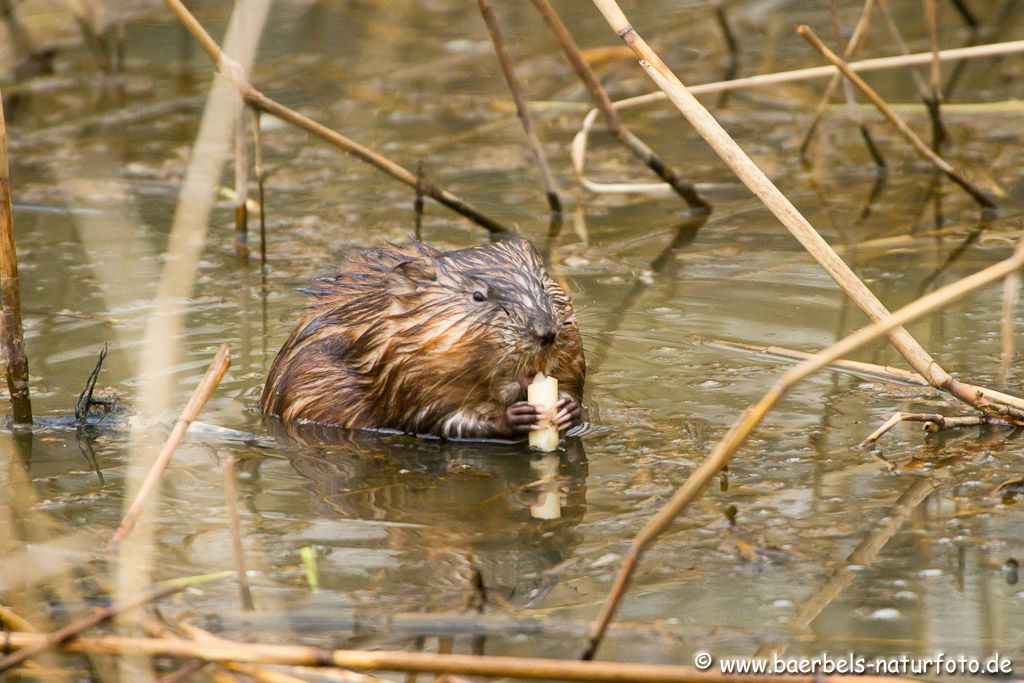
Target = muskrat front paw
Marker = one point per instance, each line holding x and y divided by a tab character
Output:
522	417
567	412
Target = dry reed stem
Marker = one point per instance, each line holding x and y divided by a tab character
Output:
165	323
764	80
884	322
611	118
895	119
1011	293
201	394
231	496
241	187
859	31
934	99
881	371
45	641
12	335
266	675
12	621
745	424
811	73
522	105
257	160
260	102
458	664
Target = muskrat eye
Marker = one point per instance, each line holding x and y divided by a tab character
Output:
479	296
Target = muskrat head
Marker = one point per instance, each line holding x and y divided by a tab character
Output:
497	301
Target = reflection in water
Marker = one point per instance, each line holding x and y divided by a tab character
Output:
513	512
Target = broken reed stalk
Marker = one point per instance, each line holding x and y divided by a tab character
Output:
859	31
260	102
45	641
195	404
745	424
522	104
987	401
933	422
12	334
231	496
611	117
895	120
242	187
223	650
934	100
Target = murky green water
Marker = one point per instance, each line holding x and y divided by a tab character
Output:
397	525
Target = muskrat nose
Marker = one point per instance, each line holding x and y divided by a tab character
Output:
545	334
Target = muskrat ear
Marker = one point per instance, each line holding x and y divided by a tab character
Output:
417	270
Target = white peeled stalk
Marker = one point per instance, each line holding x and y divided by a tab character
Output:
543	392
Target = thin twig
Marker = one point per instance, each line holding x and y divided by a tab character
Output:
257	158
231	495
12	335
611	118
895	119
44	641
195	404
257	100
522	104
466	665
966	14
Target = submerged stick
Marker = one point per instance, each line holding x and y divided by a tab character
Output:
223	650
600	97
895	119
522	105
195	404
933	422
12	335
231	496
45	641
257	100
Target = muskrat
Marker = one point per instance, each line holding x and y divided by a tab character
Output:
427	342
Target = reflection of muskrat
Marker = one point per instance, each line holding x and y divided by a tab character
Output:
429	342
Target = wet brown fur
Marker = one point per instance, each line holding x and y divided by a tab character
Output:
397	341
